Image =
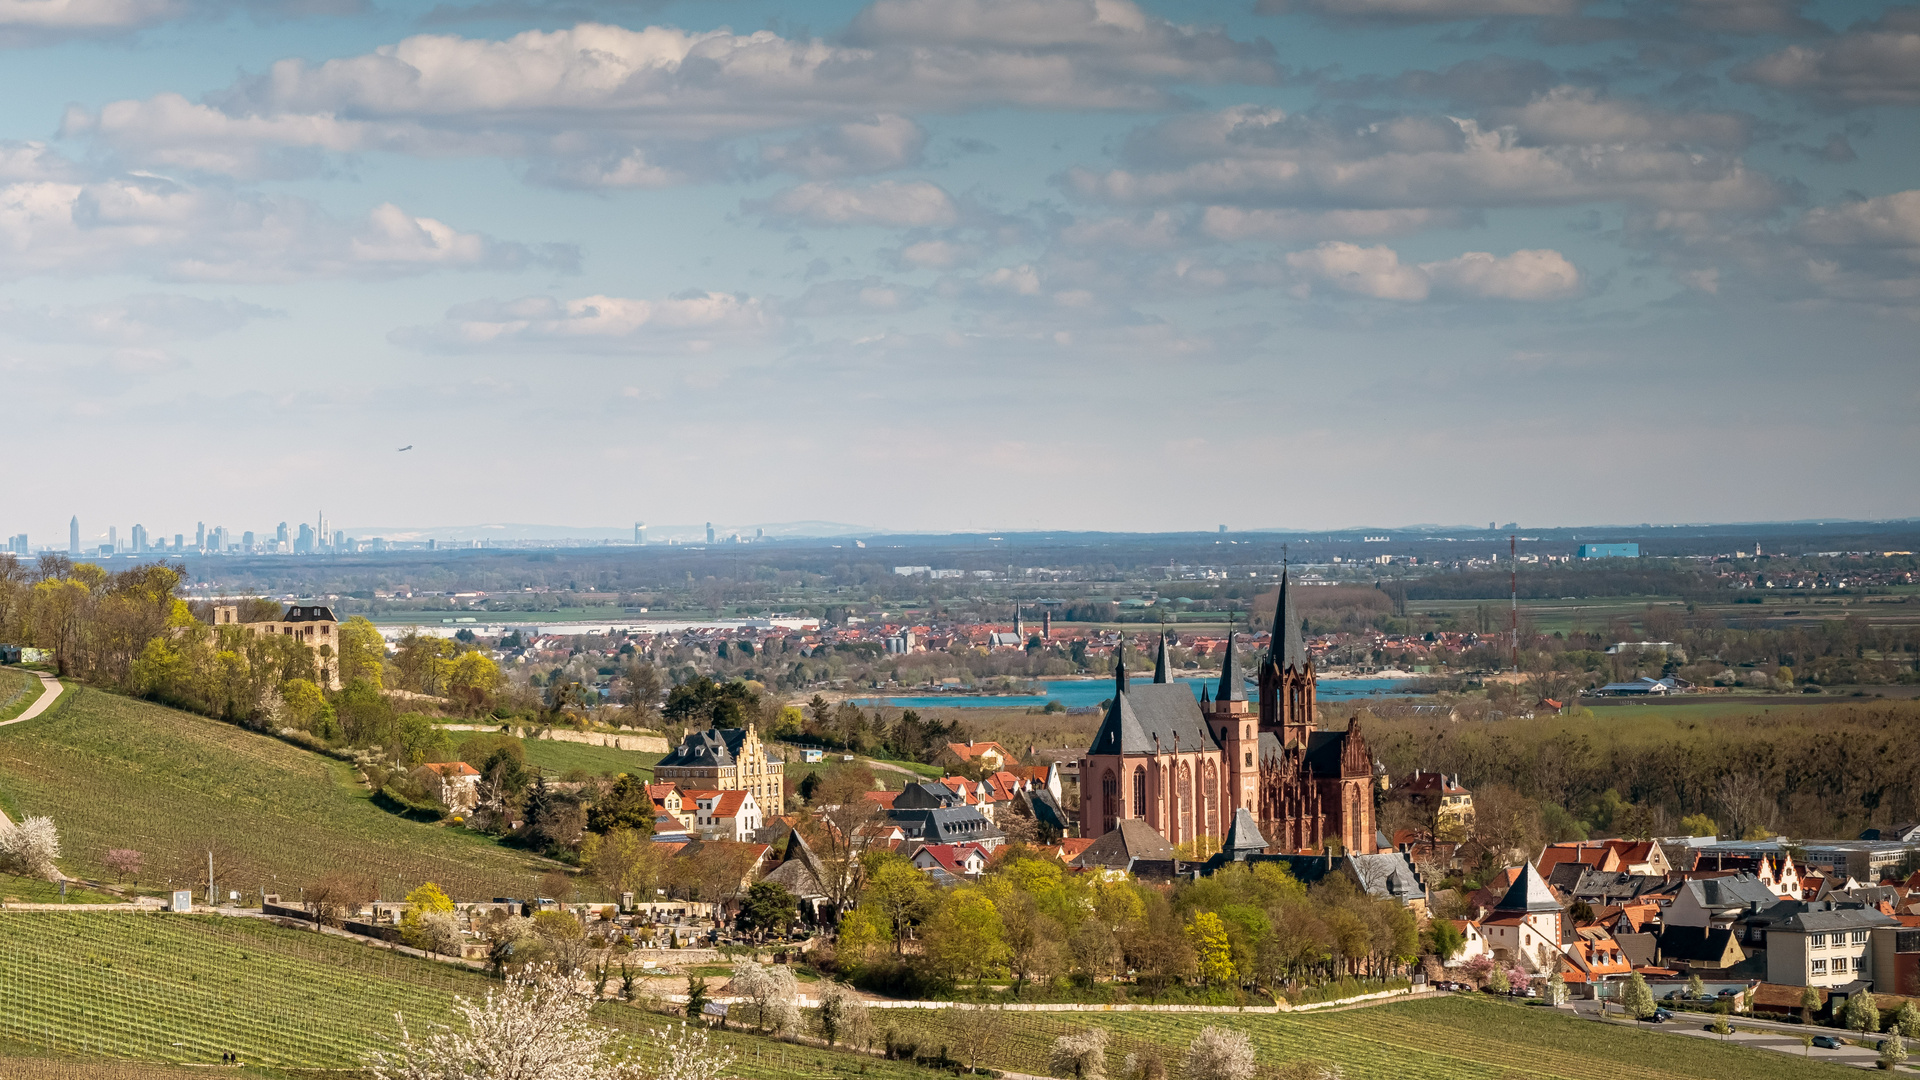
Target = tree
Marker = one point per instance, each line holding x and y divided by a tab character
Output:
30	848
363	652
839	829
974	1028
622	861
1444	939
1081	1055
339	896
767	908
1220	1054
428	923
1720	1026
1863	1014
696	997
640	688
301	703
1695	987
1035	951
1699	825
125	863
563	939
899	892
842	1015
537	1027
472	680
964	938
702	703
1636	997
1212	952
1497	981
1907	1020
773	993
1809	1004
626	805
692	1055
1893	1051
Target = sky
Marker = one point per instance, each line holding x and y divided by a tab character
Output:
957	264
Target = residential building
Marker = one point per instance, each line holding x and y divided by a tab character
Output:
1827	944
951	863
311	625
1526	925
1444	802
949	825
724	815
727	759
1185	768
1718	902
1896	960
988	755
455	783
1700	948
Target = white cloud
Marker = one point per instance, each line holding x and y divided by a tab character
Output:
1874	63
889	203
1020	280
131	320
1159	230
28	21
693	322
1423	10
1891	221
932	255
859	146
149	225
1233	223
1477	275
1579	116
597	93
1255	156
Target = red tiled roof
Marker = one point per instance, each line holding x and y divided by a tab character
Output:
452	768
967	752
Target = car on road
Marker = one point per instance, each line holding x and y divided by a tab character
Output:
1660	1016
1827	1042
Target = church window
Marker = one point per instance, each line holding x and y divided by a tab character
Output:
1139	791
1249	759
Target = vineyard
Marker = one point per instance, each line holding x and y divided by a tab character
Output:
559	758
1450	1038
18	689
114	772
184	989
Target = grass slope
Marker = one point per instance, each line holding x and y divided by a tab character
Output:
183	989
18	691
114	772
563	757
1450	1038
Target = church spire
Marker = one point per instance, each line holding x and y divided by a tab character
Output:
1120	667
1161	672
1232	686
1287	649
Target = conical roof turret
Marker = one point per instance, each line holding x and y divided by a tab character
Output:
1287	649
1120	667
1232	686
1161	671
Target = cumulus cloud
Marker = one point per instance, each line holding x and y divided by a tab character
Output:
1580	116
597	95
1889	221
861	146
889	203
150	225
932	255
1255	156
863	296
1489	80
693	322
1423	10
131	320
1377	272
25	22
1873	63
1233	223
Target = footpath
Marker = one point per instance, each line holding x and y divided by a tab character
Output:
49	690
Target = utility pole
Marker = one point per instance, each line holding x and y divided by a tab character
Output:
1513	590
211	902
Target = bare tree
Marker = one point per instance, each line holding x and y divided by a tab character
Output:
338	897
974	1028
1747	803
839	830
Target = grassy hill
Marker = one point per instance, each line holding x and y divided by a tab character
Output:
183	989
114	772
1448	1038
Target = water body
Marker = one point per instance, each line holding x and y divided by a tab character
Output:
1088	693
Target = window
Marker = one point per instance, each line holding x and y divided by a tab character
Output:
1819	967
1839	965
1859	937
1249	759
1816	941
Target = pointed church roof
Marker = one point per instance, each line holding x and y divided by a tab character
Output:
1529	893
1160	672
1243	836
1232	686
1203	697
1120	667
1121	732
1287	649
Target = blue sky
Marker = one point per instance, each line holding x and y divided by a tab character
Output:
932	264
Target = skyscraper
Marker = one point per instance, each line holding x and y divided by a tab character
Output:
639	532
200	536
179	541
139	539
709	532
113	538
73	535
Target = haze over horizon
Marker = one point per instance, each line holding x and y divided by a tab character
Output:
959	264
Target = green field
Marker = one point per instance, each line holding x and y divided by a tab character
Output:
183	989
114	772
563	757
1449	1038
18	690
35	891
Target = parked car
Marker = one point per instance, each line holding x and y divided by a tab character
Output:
1827	1042
1661	1016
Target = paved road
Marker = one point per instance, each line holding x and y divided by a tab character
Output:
49	690
1783	1038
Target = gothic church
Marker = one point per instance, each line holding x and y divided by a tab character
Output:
1184	766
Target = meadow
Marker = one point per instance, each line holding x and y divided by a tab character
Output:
115	772
18	689
560	758
1448	1038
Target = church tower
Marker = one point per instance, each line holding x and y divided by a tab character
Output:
1162	673
1286	676
1232	719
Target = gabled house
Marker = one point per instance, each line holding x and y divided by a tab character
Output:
455	783
1594	956
960	861
725	815
1475	947
1700	948
1718	901
988	755
1528	924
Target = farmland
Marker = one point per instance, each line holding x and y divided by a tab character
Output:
564	757
1450	1038
183	989
174	786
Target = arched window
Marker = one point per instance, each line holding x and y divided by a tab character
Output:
1210	800
1356	822
1139	807
1185	788
1109	800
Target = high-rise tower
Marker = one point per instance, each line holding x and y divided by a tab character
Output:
73	535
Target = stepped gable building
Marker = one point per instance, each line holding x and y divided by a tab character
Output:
1186	768
726	759
310	625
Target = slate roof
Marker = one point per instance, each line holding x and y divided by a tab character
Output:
308	613
714	748
1735	890
1137	714
1528	893
798	872
944	826
1161	673
1818	918
1389	875
1243	836
1696	944
1130	840
1233	686
1608	887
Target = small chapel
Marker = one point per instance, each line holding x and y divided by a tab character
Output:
1184	766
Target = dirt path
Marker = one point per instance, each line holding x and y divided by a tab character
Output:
49	690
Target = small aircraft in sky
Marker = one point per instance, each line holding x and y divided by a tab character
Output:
404	449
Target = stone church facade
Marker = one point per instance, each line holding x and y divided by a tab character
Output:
1184	766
